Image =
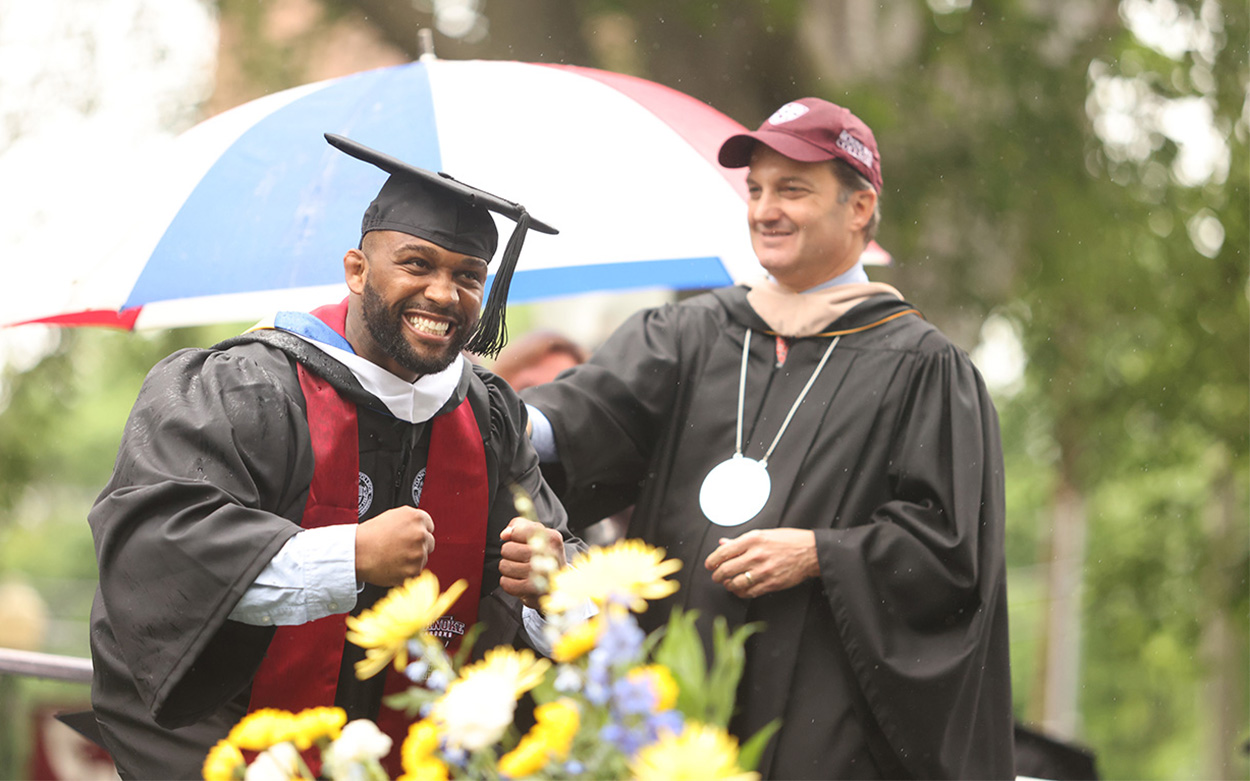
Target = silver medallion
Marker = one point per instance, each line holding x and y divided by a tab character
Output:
735	491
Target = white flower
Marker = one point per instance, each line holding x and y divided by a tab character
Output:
278	763
361	741
477	707
569	679
475	712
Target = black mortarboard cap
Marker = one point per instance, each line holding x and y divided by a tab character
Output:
456	217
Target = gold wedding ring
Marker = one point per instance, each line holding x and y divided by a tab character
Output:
747	575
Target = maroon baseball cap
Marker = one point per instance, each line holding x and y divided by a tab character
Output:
810	130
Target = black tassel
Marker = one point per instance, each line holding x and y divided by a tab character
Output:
491	334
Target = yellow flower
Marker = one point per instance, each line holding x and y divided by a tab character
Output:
629	570
263	728
224	762
313	724
662	683
428	769
420	744
405	612
526	759
518	670
552	735
699	752
579	640
418	754
558	722
478	706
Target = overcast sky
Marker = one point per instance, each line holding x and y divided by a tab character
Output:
90	89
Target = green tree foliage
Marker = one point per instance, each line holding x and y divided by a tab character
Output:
59	432
1135	331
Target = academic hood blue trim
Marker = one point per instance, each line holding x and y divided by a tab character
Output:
311	327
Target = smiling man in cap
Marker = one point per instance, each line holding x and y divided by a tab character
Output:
823	461
272	485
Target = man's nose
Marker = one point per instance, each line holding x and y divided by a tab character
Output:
766	207
442	289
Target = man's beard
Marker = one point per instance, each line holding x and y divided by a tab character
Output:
387	329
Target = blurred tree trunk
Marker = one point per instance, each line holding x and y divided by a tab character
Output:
529	30
267	47
739	55
1223	647
1058	706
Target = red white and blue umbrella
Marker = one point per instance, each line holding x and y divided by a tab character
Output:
255	210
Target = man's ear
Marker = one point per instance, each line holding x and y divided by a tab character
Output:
863	204
355	266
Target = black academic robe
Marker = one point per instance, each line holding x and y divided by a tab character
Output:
894	662
210	481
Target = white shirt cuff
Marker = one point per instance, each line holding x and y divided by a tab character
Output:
542	436
536	625
310	577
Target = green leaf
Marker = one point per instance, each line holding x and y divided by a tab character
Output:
466	646
681	651
545	691
412	700
751	752
729	659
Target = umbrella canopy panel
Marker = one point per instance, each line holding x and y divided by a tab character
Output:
253	210
621	166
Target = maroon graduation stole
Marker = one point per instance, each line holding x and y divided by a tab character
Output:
301	666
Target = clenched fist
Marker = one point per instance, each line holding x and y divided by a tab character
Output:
394	546
514	569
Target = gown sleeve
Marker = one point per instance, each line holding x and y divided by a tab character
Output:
918	589
213	466
608	413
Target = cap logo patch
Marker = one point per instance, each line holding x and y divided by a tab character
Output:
855	148
787	113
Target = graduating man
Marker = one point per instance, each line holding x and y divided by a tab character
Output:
269	486
823	461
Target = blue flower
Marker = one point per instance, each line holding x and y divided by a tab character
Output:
632	696
455	755
598	677
665	721
417	671
624	738
622	640
438	680
597	691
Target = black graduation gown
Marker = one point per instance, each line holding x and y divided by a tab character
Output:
895	661
210	481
